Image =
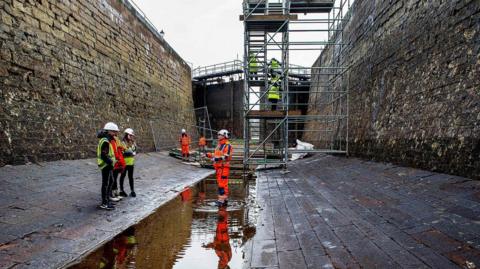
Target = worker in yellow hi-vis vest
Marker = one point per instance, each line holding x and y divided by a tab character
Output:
274	92
106	161
253	66
274	67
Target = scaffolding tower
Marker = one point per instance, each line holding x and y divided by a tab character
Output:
313	105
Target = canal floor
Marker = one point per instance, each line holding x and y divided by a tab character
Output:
190	231
328	212
49	212
333	212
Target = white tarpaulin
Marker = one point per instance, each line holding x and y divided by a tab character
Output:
301	146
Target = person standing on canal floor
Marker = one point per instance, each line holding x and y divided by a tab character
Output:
106	161
118	168
185	143
202	144
129	157
221	162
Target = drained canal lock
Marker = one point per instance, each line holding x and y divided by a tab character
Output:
190	231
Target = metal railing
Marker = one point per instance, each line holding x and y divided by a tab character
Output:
237	66
225	67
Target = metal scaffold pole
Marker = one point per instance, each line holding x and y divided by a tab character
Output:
313	102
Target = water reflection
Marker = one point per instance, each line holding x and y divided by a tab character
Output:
190	231
221	242
118	253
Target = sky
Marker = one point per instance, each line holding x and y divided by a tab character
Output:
206	32
203	32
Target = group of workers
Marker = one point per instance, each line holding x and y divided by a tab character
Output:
274	75
220	158
115	157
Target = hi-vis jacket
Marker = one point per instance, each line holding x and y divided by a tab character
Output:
223	155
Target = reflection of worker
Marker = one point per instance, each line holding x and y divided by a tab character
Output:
120	251
186	194
221	162
125	247
221	242
274	92
185	142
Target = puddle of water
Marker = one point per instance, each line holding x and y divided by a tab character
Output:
190	231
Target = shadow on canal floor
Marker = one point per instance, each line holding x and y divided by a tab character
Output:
190	231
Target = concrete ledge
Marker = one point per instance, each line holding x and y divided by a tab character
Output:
49	215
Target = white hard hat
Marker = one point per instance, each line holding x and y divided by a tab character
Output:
129	131
224	133
110	126
183	131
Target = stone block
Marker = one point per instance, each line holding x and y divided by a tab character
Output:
42	16
394	117
62	58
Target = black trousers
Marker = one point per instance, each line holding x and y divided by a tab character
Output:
107	182
254	75
129	170
274	103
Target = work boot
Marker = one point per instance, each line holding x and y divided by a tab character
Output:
107	206
114	199
123	194
115	193
133	194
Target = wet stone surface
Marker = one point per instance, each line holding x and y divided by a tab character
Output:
332	212
190	231
328	212
49	215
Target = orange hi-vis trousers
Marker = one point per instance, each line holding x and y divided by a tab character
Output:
223	173
185	150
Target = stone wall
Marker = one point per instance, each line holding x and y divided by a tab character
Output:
414	83
67	67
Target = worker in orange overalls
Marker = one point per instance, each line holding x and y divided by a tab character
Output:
185	143
221	162
202	143
221	242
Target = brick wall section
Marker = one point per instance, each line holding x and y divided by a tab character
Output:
67	67
414	83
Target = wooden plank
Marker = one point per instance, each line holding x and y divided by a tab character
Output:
363	214
335	249
272	114
264	254
272	17
315	258
291	259
281	219
427	255
363	250
309	240
286	242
